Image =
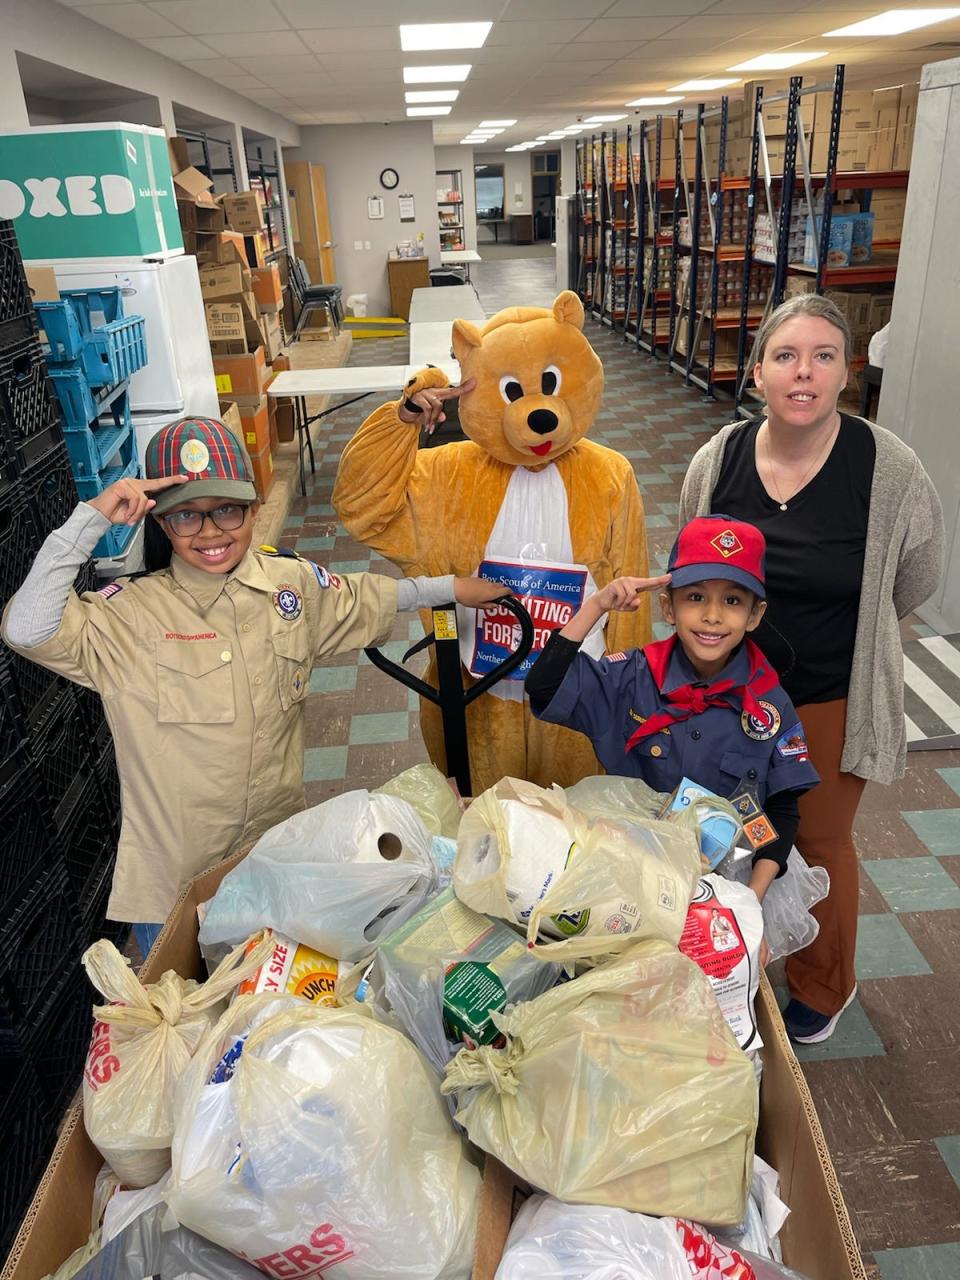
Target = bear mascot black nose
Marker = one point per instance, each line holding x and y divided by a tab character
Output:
541	421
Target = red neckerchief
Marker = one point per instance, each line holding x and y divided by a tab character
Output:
692	700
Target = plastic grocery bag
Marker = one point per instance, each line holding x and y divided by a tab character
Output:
710	1259
524	855
624	1087
333	877
154	1245
426	789
788	925
765	1216
320	1137
444	972
141	1043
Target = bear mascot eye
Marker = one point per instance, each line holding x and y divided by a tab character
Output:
550	380
510	388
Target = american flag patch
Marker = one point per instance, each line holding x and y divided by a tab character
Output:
616	657
109	590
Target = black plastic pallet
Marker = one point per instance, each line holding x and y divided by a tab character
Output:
19	541
13	730
61	744
86	838
27	1138
108	781
46	481
27	404
59	1039
15	300
39	940
28	831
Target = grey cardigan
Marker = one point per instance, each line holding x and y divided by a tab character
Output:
901	569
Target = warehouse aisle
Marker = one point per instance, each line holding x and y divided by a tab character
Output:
886	1083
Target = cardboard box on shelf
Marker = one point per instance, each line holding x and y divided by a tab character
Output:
856	110
903	146
886	108
42	283
193	186
267	288
272	336
233	321
909	97
244	212
224	282
880	149
262	464
817	1237
241	377
179	154
881	307
256	426
887	208
230	417
199	217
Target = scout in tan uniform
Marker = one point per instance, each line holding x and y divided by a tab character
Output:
204	666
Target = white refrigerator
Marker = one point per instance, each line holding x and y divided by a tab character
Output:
178	378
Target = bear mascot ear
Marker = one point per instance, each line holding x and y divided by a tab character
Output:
466	336
568	309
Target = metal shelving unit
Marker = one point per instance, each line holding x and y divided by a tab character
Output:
226	165
447	227
264	171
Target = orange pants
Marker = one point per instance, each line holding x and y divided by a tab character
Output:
822	975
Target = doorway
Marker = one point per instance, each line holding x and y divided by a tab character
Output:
545	180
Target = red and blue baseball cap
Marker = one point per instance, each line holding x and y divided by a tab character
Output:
209	453
719	547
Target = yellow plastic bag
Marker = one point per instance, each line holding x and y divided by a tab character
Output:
595	886
141	1043
624	1088
427	790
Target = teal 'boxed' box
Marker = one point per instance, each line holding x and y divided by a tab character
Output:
90	191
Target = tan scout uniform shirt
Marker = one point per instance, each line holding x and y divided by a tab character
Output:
203	679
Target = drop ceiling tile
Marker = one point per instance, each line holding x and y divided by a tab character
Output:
179	48
355	40
250	44
629	30
581	49
214	68
135	21
307	14
546	10
288	64
656	8
534	33
210	17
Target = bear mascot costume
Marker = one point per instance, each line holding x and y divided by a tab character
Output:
526	501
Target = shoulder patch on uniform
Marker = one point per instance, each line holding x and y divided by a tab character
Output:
793	744
279	551
111	589
615	657
324	576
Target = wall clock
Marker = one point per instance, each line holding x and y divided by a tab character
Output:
389	179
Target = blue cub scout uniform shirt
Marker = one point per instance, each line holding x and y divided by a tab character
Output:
722	748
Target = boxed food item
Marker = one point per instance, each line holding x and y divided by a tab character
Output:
880	149
241	376
296	970
233	322
886	107
268	289
717	831
856	111
903	147
244	212
231	281
841	241
887	208
861	245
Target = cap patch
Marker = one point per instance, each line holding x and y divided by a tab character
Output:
727	543
194	456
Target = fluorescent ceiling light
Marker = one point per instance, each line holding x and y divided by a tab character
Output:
429	111
694	86
437	75
431	95
653	102
496	124
604	119
423	36
519	147
490	132
778	61
895	21
572	129
542	137
557	133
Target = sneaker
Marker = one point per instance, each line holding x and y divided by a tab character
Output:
807	1026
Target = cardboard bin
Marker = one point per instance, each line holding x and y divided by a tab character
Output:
817	1238
244	212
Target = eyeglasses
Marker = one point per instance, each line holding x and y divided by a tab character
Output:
183	524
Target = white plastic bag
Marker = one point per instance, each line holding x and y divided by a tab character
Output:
427	790
624	1087
877	349
722	934
333	877
787	923
524	855
323	1140
141	1044
765	1216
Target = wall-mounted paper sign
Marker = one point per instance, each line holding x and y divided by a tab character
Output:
407	210
374	207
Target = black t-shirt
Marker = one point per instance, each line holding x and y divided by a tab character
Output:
814	557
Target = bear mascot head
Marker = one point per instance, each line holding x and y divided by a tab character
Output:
539	383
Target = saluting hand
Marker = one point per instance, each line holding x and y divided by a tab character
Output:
622	595
128	501
430	403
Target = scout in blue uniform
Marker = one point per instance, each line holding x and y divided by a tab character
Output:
704	704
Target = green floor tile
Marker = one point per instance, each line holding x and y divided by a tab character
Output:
293	523
854	1037
926	1262
321	509
654	477
886	950
939	829
381	726
331	679
316	544
913	884
393	649
660	522
949	1149
951	777
350	566
323	764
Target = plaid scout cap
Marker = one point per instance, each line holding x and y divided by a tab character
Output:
719	547
206	451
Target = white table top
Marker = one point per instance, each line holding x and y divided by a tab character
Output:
454	302
430	343
349	381
449	367
454	257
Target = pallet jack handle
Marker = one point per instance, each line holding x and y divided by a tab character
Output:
451	697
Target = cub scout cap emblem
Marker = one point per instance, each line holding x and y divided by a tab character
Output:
288	603
208	453
194	456
763	727
719	547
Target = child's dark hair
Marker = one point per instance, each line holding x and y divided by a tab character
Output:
157	548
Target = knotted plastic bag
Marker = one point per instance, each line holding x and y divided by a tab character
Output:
624	1088
316	1139
141	1044
596	886
427	790
334	877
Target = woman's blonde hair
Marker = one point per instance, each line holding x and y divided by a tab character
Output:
803	304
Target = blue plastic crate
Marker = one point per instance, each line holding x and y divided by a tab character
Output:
90	304
58	320
79	404
108	352
93	449
115	541
119	467
115	351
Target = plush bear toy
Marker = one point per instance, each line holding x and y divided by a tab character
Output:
526	501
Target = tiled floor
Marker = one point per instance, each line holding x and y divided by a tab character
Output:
888	1084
